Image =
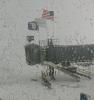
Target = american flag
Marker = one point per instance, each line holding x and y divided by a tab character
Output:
49	15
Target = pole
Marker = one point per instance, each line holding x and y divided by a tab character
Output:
38	37
53	26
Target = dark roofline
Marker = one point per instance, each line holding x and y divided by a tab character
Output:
81	45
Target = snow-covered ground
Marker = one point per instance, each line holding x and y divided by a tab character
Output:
26	85
74	24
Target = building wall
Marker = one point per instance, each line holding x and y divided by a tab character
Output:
70	53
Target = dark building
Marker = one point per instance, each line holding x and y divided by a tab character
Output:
58	53
76	53
32	52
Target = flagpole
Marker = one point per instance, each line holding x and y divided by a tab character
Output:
38	37
53	26
49	15
47	33
53	29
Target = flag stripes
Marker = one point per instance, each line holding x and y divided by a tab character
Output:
49	15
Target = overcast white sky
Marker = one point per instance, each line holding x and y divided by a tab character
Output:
74	19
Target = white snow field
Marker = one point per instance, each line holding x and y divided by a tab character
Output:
18	81
24	83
